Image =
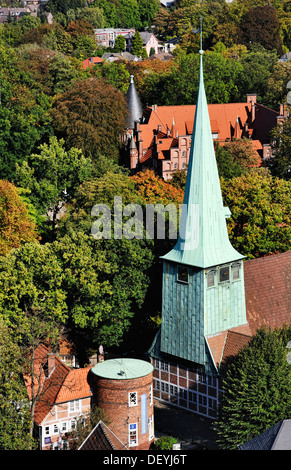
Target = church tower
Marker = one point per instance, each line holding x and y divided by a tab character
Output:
203	289
203	280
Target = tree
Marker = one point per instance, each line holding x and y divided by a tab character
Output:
280	164
261	25
16	225
257	389
260	213
90	116
119	45
52	176
257	68
154	190
14	405
137	44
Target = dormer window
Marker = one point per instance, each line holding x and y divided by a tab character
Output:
224	274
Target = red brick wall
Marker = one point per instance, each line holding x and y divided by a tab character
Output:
113	397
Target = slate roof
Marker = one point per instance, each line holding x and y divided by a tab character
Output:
134	105
278	437
102	438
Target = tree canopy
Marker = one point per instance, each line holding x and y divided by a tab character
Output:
257	389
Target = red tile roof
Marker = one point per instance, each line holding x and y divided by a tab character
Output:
63	384
91	61
268	291
268	304
223	118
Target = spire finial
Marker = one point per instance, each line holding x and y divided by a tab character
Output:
131	78
201	50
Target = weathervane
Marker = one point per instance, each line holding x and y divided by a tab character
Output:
201	50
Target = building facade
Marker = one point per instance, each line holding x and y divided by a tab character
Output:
64	397
107	36
163	134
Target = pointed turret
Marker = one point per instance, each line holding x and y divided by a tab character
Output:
203	240
134	105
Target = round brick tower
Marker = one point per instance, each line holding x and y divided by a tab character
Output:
123	388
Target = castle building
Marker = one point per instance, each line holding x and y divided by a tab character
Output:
207	313
162	134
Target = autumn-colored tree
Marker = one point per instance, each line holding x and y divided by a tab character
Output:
153	190
243	152
261	25
80	27
90	116
16	226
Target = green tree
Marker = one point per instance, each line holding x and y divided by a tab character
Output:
260	207
257	389
119	45
15	415
137	44
52	176
258	67
280	165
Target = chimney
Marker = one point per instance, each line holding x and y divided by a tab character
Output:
283	110
252	98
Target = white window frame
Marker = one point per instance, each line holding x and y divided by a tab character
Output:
132	399
74	405
151	395
151	427
133	442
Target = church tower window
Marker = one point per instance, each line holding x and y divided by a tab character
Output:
182	274
224	274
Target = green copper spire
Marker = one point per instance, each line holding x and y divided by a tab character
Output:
203	239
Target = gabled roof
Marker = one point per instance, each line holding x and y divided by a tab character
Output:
223	118
59	385
275	438
91	61
102	438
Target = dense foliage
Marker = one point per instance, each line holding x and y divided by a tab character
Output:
257	389
60	127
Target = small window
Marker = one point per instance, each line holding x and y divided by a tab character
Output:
132	434
235	270
132	399
182	274
210	278
224	274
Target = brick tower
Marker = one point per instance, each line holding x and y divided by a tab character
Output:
123	388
